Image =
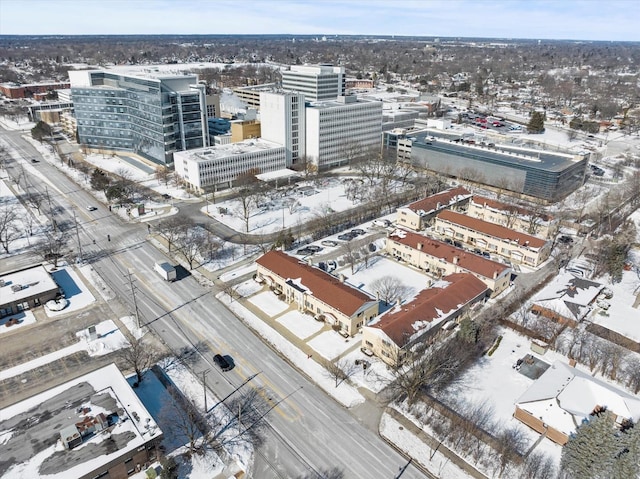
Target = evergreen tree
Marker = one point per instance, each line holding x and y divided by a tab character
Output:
536	123
600	450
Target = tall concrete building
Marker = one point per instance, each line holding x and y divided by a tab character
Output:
316	82
151	115
282	120
336	130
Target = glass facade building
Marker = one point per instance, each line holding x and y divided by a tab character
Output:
150	116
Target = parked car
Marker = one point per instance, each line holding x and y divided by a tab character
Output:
315	248
222	363
565	239
358	231
304	251
329	243
382	222
486	254
331	265
346	237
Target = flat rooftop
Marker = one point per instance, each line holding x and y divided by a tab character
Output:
30	430
231	149
18	285
499	153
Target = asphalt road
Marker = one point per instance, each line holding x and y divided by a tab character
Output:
308	432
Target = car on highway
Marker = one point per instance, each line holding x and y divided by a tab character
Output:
35	160
91	208
222	363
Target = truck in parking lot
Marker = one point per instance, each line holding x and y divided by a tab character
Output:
167	271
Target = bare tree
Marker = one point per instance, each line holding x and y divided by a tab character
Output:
340	370
348	252
163	175
51	247
191	244
184	420
173	228
248	198
139	355
390	289
632	374
539	466
9	227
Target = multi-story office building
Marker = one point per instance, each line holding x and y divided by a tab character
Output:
537	173
217	166
251	94
316	82
150	115
282	120
335	130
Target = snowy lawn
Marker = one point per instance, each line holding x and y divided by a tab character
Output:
621	316
269	303
383	267
300	324
74	289
23	318
248	288
251	268
330	344
494	380
345	394
375	377
406	441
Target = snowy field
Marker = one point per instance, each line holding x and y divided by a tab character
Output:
300	324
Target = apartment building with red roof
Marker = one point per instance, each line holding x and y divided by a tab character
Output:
441	259
520	248
391	334
317	292
419	214
533	222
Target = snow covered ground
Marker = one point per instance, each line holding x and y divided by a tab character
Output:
300	324
75	291
268	303
24	318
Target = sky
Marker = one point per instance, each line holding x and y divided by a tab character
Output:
615	20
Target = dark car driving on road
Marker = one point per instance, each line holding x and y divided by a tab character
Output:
222	362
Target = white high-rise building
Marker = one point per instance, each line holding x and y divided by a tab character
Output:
335	130
282	120
316	82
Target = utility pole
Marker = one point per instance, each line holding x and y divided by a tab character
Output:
135	303
204	387
75	220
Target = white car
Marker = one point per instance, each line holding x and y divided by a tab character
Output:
91	208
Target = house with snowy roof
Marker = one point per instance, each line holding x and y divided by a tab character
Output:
559	400
392	334
25	289
533	222
317	292
519	247
419	214
566	299
91	426
441	259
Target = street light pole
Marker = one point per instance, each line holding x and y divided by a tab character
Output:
135	303
204	387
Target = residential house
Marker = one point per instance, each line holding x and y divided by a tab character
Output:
393	332
566	299
536	223
317	292
419	214
442	259
519	247
563	397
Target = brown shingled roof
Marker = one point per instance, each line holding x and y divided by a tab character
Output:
431	304
323	286
500	206
469	261
442	199
491	229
